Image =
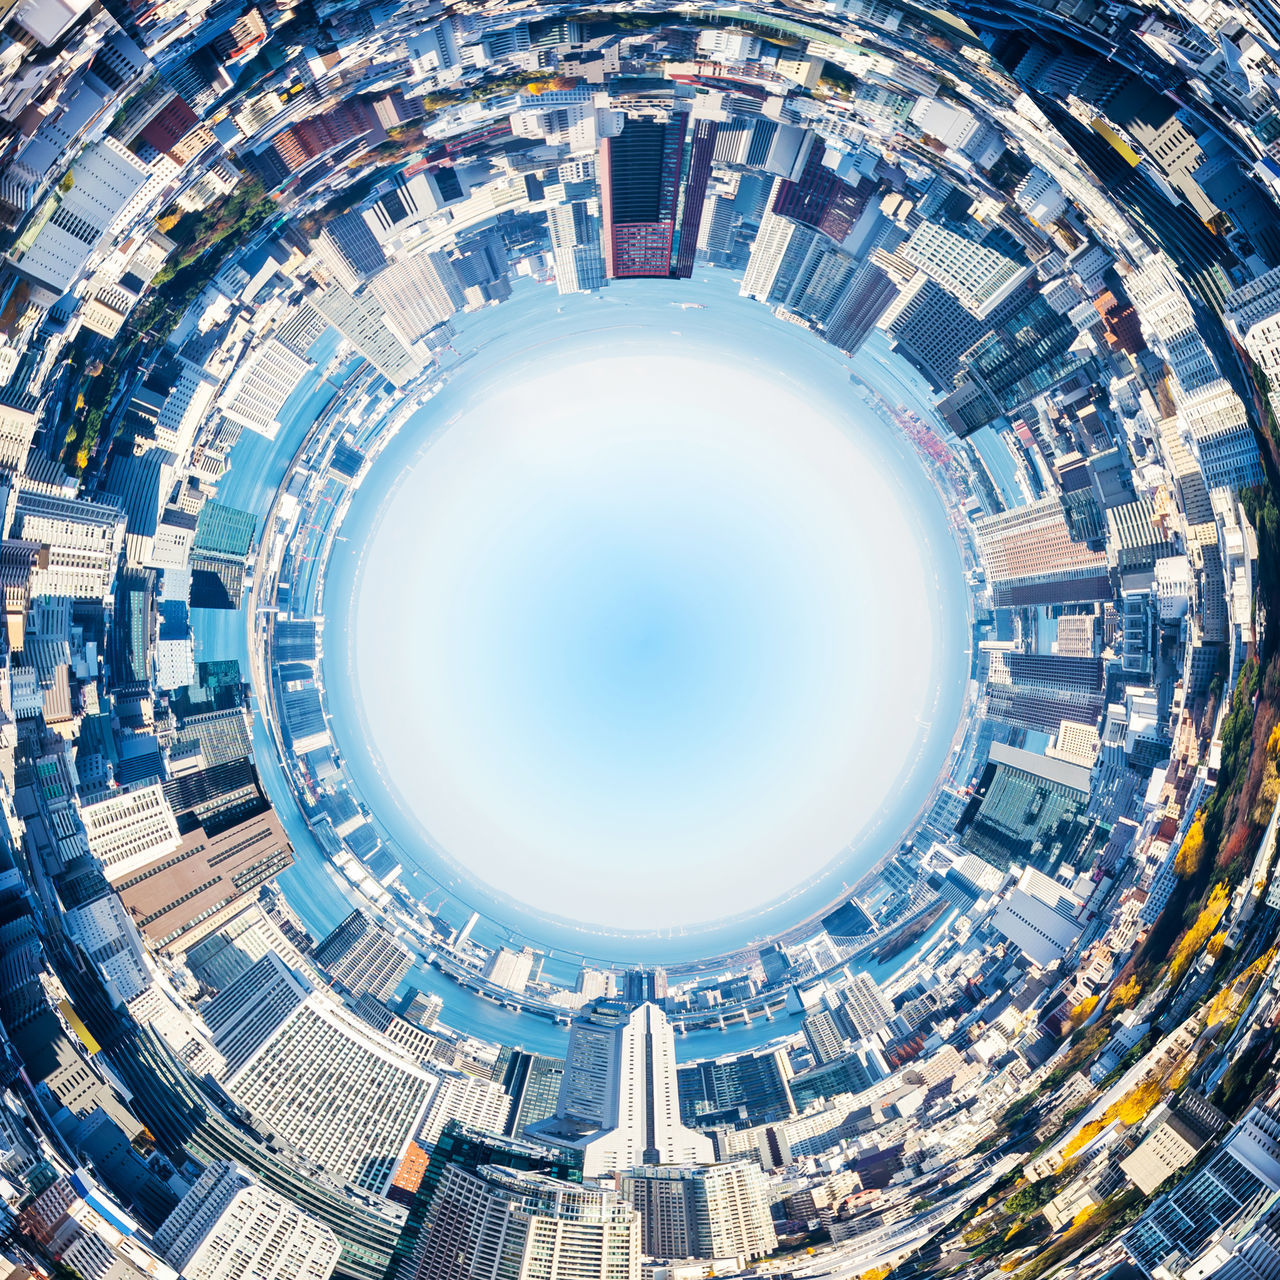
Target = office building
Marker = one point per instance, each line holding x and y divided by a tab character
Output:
1040	690
619	1104
261	384
1039	917
708	1211
510	969
823	1036
930	329
229	1226
532	1082
363	956
1026	808
652	189
1245	1167
318	1077
1252	313
755	1086
852	1072
866	1007
1031	558
107	178
978	277
1176	1132
468	1150
131	828
418	294
868	296
575	245
472	1101
499	1224
85	538
232	844
349	250
365	323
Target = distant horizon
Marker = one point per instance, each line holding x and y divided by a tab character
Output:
644	629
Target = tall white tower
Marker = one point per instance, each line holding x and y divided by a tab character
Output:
619	1105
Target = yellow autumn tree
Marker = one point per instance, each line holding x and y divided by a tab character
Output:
1273	742
1215	944
1194	940
1128	1110
1191	853
1125	996
1081	1012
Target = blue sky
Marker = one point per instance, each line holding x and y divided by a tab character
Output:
647	629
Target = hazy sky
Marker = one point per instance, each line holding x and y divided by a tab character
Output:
645	638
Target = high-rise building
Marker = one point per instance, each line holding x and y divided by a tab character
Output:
418	293
363	956
510	969
1040	690
930	329
707	1211
575	245
866	1007
653	182
978	277
1245	1167
317	1076
467	1149
755	1085
85	538
532	1081
130	828
821	200
498	1224
823	1035
1031	558
470	1100
349	250
108	177
364	322
864	301
229	1226
262	382
619	1103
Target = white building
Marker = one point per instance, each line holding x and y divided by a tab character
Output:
130	829
84	537
977	277
1038	917
481	1104
105	179
526	1226
705	1211
1252	314
229	1226
317	1076
619	1105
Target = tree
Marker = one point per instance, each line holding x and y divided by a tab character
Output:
1125	996
1195	938
1080	1014
1190	855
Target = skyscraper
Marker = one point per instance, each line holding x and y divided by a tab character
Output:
866	299
466	1149
229	1226
316	1076
532	1082
619	1103
653	182
497	1224
708	1211
364	957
